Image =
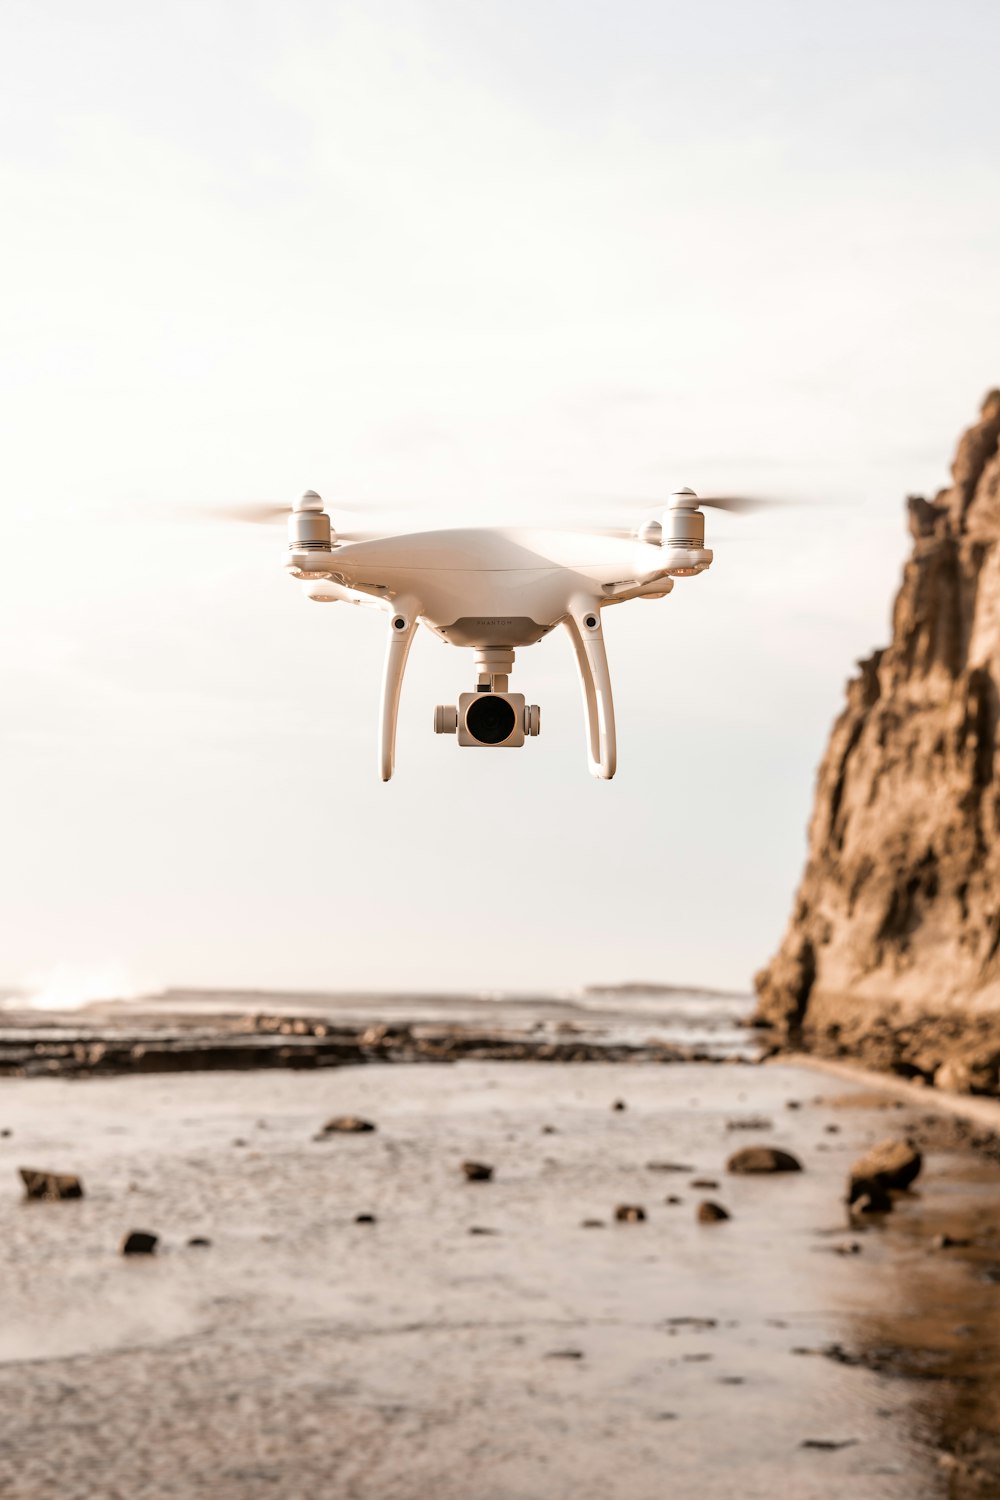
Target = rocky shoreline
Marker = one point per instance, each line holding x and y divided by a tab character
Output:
76	1048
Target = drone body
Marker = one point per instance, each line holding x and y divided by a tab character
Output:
493	591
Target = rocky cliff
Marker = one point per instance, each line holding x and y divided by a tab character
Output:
892	952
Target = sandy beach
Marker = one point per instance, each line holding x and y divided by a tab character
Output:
476	1340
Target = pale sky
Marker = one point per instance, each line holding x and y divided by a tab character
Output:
482	258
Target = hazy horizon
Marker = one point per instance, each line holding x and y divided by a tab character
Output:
475	260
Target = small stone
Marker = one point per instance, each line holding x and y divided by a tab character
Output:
750	1122
832	1129
477	1171
139	1242
549	1130
347	1125
668	1166
828	1445
673	1199
869	1196
755	1159
703	1182
564	1354
6	1132
893	1163
50	1186
619	1105
199	1242
365	1219
630	1213
482	1229
712	1213
592	1224
793	1104
949	1242
239	1141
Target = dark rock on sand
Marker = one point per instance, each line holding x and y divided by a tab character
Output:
365	1219
564	1354
712	1213
630	1213
477	1171
592	1224
139	1242
199	1242
703	1182
893	1163
869	1195
619	1104
347	1125
752	1122
949	1242
481	1229
828	1445
668	1166
51	1186
755	1159
672	1199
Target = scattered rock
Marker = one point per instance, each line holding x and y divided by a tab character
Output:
477	1171
592	1224
703	1182
199	1242
755	1159
630	1213
712	1213
481	1229
6	1132
347	1125
619	1105
668	1166
895	1164
686	1321
832	1129
751	1122
51	1186
949	1242
239	1141
869	1195
793	1104
365	1219
828	1445
139	1242
564	1354
549	1130
673	1199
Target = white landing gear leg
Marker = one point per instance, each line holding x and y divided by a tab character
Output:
402	624
584	626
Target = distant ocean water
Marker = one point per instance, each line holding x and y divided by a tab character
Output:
628	1013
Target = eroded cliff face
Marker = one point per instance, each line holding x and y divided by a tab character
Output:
893	948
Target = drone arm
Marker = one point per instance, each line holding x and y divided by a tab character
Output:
583	622
402	624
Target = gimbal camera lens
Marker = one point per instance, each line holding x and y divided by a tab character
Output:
490	719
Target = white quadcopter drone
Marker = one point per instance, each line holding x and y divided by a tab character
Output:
494	591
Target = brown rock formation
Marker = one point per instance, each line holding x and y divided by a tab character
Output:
893	948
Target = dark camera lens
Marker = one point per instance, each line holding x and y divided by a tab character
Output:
490	719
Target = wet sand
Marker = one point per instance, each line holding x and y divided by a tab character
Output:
303	1354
